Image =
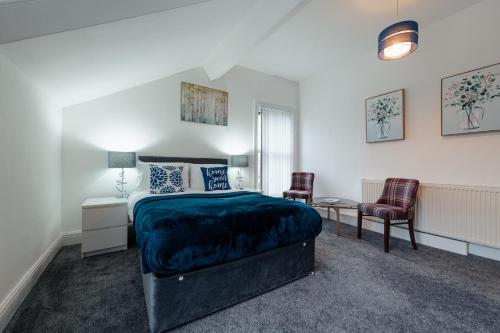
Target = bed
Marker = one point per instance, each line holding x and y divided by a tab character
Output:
201	252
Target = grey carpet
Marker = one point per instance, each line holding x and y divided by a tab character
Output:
357	288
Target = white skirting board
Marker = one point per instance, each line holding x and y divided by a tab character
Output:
443	243
11	302
71	237
484	251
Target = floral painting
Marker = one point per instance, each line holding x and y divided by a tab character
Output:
201	104
385	117
470	101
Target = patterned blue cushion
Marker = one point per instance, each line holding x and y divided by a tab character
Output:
166	179
215	178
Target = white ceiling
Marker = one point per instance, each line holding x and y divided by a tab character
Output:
84	64
21	19
333	31
90	48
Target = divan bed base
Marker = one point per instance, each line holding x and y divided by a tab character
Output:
176	300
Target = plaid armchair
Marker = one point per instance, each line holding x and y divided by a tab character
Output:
302	186
397	202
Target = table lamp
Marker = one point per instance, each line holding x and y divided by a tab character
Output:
121	160
239	161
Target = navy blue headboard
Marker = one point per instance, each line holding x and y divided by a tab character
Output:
195	160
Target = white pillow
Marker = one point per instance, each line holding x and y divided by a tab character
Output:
144	177
197	182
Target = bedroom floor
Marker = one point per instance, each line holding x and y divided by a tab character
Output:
357	288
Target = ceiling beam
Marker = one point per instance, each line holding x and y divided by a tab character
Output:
261	21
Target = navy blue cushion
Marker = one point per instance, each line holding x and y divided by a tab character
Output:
215	178
166	179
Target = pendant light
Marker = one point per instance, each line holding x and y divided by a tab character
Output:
398	40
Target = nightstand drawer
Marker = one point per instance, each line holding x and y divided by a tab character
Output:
95	240
104	217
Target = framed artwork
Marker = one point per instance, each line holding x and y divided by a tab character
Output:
385	117
470	101
205	105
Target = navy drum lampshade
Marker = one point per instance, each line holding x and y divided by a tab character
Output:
398	40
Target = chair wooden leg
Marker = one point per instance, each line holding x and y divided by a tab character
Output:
387	234
360	223
412	233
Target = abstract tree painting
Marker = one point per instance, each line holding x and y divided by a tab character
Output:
201	104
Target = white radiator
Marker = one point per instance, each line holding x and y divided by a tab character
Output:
467	213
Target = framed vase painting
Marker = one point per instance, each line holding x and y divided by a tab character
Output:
205	105
385	117
470	101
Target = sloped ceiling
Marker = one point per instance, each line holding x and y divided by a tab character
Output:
334	31
82	64
22	19
79	50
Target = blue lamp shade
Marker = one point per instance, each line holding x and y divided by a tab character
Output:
239	161
398	40
117	159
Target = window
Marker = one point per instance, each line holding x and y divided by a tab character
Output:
274	148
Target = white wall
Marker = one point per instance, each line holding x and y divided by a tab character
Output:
30	201
146	119
332	129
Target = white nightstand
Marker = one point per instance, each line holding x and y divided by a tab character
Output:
104	225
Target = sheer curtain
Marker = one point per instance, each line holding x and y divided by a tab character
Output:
276	149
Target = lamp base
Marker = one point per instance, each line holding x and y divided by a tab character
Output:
239	178
120	185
